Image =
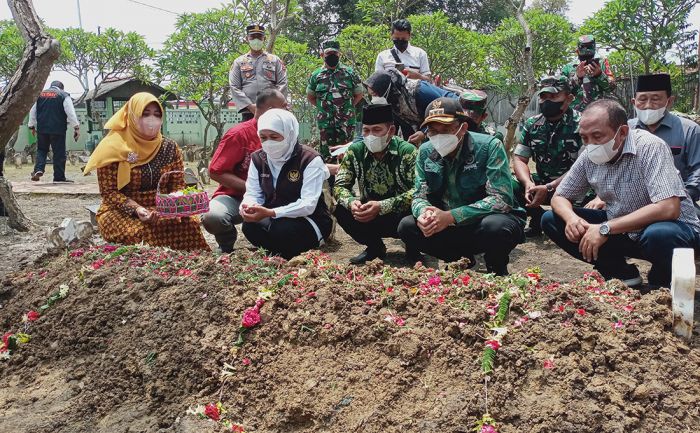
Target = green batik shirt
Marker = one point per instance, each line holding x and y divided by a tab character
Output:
473	185
388	180
554	146
334	90
587	90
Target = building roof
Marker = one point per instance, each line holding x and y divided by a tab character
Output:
123	89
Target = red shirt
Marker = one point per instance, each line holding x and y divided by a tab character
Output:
233	154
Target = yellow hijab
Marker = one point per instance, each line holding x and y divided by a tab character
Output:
124	143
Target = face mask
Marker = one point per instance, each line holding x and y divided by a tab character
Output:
376	144
274	149
602	153
332	60
551	109
444	143
650	117
381	99
473	126
585	57
256	44
400	44
149	126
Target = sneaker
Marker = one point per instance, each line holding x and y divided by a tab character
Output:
37	175
629	275
369	254
414	256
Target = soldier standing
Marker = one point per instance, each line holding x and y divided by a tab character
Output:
255	71
591	77
552	140
335	89
474	104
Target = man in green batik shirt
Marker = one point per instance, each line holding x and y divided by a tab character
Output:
463	203
551	139
335	90
591	77
383	166
474	104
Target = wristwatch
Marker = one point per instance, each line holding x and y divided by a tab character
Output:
604	229
550	188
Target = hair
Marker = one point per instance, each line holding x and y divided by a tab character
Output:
265	96
57	84
401	25
617	116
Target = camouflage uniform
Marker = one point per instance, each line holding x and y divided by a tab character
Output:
334	90
475	101
588	89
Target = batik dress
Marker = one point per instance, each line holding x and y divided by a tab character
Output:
117	219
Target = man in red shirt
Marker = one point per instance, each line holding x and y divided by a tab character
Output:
229	167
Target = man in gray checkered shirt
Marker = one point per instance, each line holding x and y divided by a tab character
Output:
648	214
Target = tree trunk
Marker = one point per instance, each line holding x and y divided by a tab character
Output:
23	88
524	100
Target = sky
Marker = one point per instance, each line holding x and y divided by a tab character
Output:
157	22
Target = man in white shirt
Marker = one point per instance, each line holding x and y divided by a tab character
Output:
412	61
49	118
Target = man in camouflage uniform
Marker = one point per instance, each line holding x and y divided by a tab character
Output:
334	89
591	77
474	104
255	71
552	140
383	167
463	203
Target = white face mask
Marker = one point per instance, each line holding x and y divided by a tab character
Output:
256	44
149	126
602	153
650	117
376	144
379	100
275	150
444	143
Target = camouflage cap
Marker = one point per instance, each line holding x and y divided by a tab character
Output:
586	45
331	45
554	84
473	100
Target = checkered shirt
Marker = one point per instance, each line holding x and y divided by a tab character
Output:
642	175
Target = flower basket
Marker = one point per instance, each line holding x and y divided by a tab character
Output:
181	205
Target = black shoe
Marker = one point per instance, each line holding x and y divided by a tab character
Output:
64	181
36	175
500	271
369	254
533	232
628	274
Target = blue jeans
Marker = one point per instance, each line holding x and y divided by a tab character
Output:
57	142
655	244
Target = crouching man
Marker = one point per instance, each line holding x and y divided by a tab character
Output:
648	213
463	203
383	165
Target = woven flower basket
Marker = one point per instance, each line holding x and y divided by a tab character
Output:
169	206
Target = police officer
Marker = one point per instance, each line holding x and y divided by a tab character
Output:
49	118
591	77
335	89
255	71
474	104
552	140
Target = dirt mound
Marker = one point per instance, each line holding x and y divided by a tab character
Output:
127	339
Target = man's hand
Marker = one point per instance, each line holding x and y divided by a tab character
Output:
410	73
581	70
33	131
535	195
591	243
416	138
333	168
575	229
596	203
76	134
252	108
439	221
254	213
594	69
367	212
147	216
425	220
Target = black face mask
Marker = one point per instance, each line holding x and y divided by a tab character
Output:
585	58
551	109
332	60
401	44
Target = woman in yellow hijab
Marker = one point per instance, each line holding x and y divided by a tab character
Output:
129	161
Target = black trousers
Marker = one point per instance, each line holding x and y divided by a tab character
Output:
57	143
370	233
496	235
285	237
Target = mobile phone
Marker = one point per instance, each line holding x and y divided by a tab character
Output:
592	61
400	66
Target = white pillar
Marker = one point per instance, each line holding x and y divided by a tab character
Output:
683	291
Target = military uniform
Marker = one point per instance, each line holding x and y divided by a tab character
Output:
250	74
334	90
474	102
588	89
